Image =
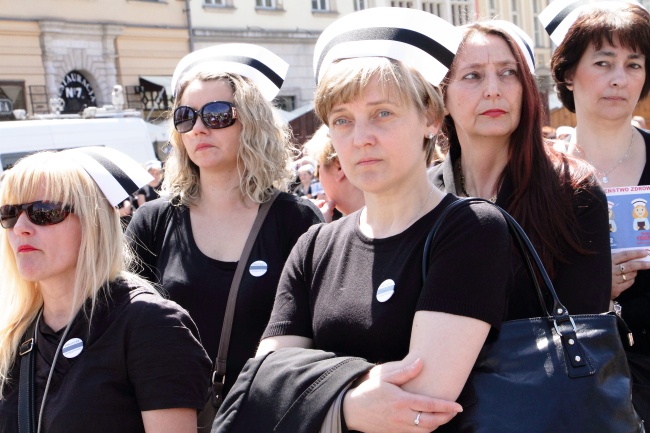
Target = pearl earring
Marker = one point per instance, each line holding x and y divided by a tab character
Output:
430	135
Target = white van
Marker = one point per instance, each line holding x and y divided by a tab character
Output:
23	137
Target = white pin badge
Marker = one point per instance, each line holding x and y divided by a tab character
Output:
73	347
385	290
258	268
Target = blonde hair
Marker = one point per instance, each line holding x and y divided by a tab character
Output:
265	149
346	80
319	147
102	255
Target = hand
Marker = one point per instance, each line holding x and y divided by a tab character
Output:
625	267
326	208
379	405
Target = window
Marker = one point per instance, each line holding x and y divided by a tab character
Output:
435	7
12	97
538	28
399	4
514	11
492	8
460	12
360	5
215	2
320	5
267	4
286	103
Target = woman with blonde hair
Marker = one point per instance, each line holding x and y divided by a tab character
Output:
231	153
78	333
355	287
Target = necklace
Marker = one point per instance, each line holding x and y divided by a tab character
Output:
604	178
492	199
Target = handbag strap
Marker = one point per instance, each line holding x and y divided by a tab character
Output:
219	372
529	254
26	400
562	321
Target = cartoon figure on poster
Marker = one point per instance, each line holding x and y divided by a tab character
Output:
640	214
612	221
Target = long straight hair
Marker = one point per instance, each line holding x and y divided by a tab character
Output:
102	255
544	180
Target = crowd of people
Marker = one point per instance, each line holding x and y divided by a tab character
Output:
124	284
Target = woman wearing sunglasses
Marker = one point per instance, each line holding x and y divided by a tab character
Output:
230	152
354	286
494	149
84	344
601	70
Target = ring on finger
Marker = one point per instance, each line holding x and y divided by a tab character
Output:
622	268
417	419
624	277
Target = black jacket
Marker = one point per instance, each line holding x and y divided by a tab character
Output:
287	391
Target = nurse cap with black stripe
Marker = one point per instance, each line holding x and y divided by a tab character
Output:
260	65
558	17
116	174
419	39
520	37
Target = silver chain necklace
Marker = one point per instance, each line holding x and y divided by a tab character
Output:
604	178
492	199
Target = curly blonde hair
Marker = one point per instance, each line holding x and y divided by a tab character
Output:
265	148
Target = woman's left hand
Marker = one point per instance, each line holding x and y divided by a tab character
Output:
379	405
625	266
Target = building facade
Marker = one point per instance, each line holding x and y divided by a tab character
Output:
78	50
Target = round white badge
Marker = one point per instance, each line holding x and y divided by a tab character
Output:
258	268
385	290
73	347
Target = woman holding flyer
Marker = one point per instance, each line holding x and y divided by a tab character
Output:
600	67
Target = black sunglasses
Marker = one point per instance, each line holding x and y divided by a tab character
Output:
215	115
41	213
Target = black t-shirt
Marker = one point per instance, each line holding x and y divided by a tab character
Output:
149	192
163	239
140	352
584	281
328	289
636	300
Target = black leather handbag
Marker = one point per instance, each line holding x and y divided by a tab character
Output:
558	373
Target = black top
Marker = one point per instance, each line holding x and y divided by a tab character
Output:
329	286
584	282
140	352
162	237
150	193
636	300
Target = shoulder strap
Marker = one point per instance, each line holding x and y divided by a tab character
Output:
26	399
219	371
532	261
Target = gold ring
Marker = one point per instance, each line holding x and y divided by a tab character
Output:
624	277
417	419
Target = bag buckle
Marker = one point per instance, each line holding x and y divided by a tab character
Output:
26	347
557	329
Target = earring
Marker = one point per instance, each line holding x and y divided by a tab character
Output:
430	135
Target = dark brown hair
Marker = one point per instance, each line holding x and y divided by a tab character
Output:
544	180
629	24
